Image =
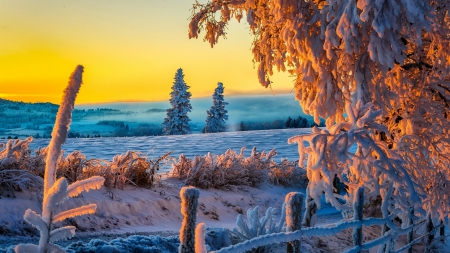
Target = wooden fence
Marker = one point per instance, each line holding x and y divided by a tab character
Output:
295	232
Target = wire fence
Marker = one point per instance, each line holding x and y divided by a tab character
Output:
295	232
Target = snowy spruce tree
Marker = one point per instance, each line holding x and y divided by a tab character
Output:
378	72
177	120
217	115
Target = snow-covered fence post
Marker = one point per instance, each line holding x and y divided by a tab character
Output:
200	231
442	231
429	228
358	208
294	201
189	197
410	236
310	213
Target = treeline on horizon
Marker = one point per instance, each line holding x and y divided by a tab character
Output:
123	129
38	116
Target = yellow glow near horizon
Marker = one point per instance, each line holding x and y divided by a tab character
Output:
130	51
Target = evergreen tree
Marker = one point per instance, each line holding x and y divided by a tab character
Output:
288	122
241	126
177	121
217	115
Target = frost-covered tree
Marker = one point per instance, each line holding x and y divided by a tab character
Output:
56	192
217	115
177	120
377	71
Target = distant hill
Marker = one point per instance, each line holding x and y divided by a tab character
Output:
13	114
154	110
253	112
22	118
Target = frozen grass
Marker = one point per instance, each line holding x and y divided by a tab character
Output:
234	169
20	170
288	174
222	171
23	169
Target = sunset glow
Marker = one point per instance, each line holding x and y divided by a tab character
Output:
130	51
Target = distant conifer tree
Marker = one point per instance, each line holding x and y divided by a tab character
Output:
241	126
177	121
288	122
217	115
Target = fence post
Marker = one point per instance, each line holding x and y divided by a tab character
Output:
442	231
200	231
429	227
189	197
410	236
358	208
294	202
311	209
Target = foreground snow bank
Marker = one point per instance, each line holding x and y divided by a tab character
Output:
136	210
215	239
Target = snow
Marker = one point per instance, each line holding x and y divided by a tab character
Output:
157	210
135	210
190	145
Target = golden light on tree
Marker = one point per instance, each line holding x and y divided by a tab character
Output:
378	72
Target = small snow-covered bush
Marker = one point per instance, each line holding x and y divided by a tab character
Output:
18	170
222	171
73	166
288	174
131	167
181	168
14	152
260	226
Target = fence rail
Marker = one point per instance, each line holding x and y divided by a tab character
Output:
293	236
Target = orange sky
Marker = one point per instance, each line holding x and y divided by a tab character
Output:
130	50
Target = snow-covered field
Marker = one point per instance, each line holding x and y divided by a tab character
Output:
191	145
155	212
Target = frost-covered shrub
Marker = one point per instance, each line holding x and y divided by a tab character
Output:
222	171
18	169
14	152
73	166
131	167
288	174
180	169
260	226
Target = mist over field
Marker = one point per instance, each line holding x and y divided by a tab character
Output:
240	108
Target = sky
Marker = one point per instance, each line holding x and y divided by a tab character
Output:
130	50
